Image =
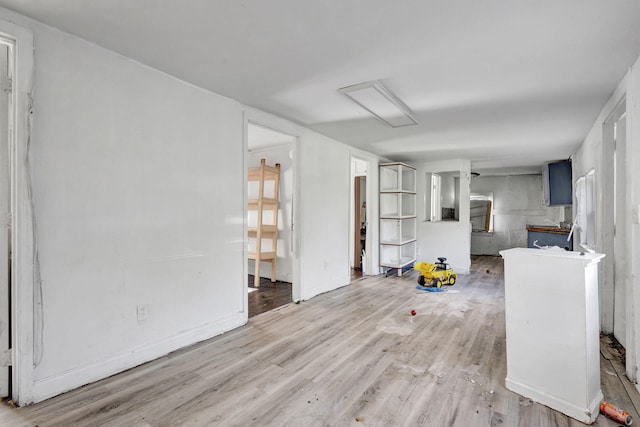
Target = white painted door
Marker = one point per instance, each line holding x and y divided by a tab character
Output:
620	235
5	208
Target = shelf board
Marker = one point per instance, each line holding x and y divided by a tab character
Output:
397	263
270	229
398	217
397	191
267	202
269	173
391	165
396	243
264	256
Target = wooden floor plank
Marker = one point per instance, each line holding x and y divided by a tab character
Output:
352	357
268	296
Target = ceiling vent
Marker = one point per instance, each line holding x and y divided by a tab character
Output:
381	102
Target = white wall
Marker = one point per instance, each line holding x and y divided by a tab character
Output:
129	170
591	155
322	211
284	263
326	180
139	200
517	201
633	222
139	194
450	239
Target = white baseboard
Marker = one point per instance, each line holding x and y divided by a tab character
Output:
586	415
53	385
310	292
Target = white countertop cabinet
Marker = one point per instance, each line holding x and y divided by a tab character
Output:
552	325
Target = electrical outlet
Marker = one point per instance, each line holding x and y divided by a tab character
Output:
142	311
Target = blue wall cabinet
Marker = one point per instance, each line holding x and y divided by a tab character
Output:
557	183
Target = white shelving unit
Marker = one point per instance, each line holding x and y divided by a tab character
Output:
397	215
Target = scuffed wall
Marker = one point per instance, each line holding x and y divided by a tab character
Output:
138	199
517	201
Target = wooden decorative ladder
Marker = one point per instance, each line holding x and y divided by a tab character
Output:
271	176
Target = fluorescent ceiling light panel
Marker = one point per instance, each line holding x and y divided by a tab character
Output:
380	102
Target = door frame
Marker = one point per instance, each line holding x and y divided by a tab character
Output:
250	117
24	265
357	202
366	267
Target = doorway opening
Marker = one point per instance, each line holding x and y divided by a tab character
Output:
359	261
271	229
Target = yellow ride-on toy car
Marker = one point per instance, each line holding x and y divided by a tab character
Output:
435	275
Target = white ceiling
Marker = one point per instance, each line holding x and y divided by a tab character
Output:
503	83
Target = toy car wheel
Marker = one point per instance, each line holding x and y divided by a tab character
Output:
436	283
452	280
421	281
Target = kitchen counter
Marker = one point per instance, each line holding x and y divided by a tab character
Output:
545	229
540	235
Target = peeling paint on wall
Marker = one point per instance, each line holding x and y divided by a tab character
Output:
38	311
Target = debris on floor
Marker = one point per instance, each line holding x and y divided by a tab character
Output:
429	289
616	414
525	402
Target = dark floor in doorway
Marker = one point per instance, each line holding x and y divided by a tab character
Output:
268	296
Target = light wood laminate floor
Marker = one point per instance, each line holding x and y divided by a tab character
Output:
351	357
